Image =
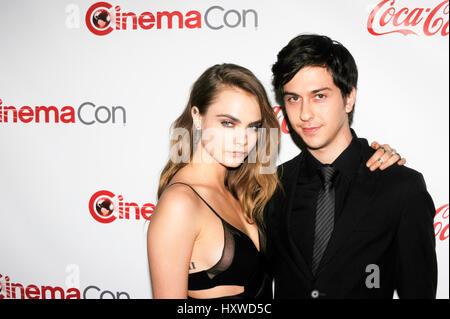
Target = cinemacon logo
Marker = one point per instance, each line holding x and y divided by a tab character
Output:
391	16
87	113
105	207
15	290
102	18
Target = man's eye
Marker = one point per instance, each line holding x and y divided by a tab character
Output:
320	96
293	99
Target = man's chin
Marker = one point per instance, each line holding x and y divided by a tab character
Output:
312	144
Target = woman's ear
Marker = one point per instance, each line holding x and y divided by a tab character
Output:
195	113
350	101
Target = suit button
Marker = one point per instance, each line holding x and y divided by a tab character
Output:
315	294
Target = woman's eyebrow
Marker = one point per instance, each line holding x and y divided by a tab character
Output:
255	123
230	117
237	120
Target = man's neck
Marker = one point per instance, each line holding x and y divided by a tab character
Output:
331	151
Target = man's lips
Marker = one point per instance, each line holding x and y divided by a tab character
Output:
310	130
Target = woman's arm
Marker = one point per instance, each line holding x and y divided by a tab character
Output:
384	157
171	235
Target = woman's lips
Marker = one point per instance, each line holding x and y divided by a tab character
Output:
310	130
238	154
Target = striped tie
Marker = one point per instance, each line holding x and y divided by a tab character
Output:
324	215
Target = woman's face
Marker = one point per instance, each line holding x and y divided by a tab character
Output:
230	126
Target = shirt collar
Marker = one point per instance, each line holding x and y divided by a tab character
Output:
346	163
350	159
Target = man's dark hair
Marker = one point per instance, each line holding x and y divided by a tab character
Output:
315	50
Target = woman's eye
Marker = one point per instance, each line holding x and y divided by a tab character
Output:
227	123
255	127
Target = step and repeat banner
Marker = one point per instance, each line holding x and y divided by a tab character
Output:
88	91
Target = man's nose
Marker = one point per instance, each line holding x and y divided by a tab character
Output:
306	112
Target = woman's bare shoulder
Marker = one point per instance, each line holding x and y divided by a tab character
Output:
174	225
178	201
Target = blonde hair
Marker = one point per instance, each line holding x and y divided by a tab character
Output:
247	183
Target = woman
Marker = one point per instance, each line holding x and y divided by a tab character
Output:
204	239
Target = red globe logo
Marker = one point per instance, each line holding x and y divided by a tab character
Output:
101	206
104	206
101	18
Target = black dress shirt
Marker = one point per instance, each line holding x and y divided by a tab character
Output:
308	187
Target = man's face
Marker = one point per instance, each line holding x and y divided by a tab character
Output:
316	108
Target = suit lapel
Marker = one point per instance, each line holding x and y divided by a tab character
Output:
290	183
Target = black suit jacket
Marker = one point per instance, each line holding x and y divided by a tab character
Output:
383	241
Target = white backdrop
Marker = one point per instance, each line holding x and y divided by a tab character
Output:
50	243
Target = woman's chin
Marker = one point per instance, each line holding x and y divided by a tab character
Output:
233	162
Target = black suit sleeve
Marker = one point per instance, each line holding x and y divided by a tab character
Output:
416	265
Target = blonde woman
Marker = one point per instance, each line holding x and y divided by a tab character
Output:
205	239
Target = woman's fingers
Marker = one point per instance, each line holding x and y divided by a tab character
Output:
384	157
373	163
392	158
375	145
371	160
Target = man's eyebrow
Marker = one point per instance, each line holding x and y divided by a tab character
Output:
289	93
313	91
319	90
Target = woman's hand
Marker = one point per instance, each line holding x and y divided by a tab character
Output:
385	156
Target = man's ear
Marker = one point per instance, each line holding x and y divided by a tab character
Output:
350	101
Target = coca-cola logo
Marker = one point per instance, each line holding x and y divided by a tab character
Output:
389	17
441	223
279	114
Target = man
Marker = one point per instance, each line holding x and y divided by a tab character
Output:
335	229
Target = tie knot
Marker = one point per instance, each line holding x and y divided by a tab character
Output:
327	174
